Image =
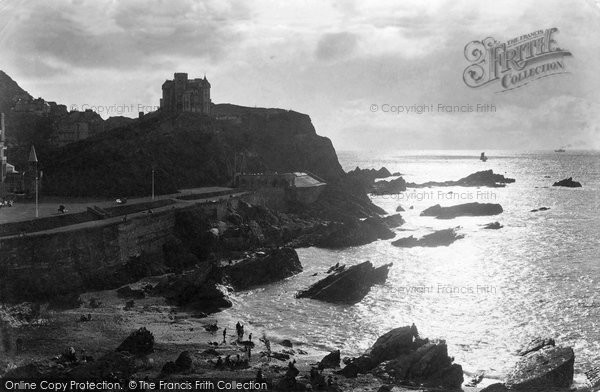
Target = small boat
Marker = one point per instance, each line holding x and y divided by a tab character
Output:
560	150
483	157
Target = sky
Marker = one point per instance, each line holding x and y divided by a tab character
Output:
342	62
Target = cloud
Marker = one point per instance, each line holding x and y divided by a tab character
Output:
333	46
330	59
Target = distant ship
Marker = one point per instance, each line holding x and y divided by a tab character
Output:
483	157
560	150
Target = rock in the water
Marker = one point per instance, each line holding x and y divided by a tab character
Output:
467	209
286	343
370	173
550	367
391	187
540	209
568	182
485	178
437	238
493	226
399	209
401	357
354	233
348	285
394	220
398	341
140	342
330	361
536	345
277	264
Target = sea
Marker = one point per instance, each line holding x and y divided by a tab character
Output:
486	295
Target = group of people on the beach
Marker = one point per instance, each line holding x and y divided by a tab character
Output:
6	203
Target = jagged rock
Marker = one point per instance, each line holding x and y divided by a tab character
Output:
393	221
398	341
593	376
330	361
485	178
349	285
437	238
467	209
536	345
391	187
568	182
370	173
493	226
354	233
399	209
551	367
401	357
540	209
276	265
196	289
140	342
286	343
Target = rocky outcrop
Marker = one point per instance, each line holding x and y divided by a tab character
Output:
493	226
400	209
370	174
438	238
393	221
540	209
391	187
347	285
354	233
485	178
536	345
568	182
140	342
197	289
467	209
262	268
550	367
330	361
400	357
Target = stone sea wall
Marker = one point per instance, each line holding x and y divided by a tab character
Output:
57	263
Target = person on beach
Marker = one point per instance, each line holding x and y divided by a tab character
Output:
224	334
250	337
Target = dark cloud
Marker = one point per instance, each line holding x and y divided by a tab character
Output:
334	46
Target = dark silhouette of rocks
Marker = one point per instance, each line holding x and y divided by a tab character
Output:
438	238
401	357
540	209
140	342
196	289
536	345
182	364
493	226
399	209
394	220
568	182
275	265
391	187
354	232
330	361
543	367
370	173
550	367
486	178
347	285
467	209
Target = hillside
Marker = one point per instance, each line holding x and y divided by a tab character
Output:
188	150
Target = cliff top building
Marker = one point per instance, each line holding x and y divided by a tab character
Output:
186	95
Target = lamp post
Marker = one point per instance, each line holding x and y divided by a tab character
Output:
153	183
34	161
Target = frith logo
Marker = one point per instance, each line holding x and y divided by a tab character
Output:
516	62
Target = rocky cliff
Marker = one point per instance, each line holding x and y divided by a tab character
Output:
188	150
